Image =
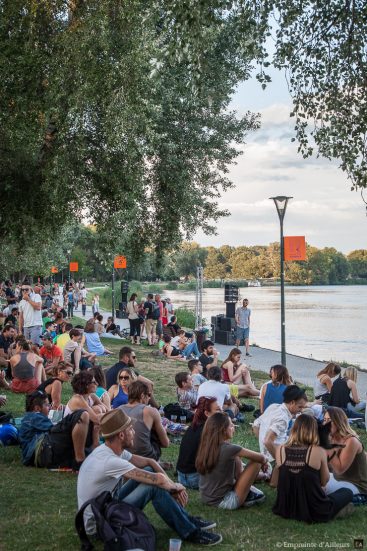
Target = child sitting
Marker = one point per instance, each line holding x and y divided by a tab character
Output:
186	394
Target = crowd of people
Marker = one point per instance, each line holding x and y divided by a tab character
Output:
112	430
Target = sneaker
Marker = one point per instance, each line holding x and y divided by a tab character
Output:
248	354
253	497
247	407
201	537
239	418
202	524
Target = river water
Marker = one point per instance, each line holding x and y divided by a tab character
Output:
326	322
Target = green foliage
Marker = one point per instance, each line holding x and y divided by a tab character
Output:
185	318
358	263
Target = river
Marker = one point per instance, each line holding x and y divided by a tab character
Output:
325	322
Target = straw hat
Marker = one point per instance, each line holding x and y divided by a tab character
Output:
113	422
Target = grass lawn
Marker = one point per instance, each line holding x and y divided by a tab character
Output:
37	507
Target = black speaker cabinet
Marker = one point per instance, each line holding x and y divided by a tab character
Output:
124	287
230	309
230	292
224	337
225	324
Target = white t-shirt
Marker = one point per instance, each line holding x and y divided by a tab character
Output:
101	472
83	293
214	389
31	316
174	342
276	418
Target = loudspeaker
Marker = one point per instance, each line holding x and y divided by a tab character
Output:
124	287
225	324
230	292
122	305
230	309
121	314
224	337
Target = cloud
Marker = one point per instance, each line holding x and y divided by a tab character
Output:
323	209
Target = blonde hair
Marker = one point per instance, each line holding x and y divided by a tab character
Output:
351	373
340	420
304	432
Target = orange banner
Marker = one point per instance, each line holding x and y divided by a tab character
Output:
295	248
74	266
119	262
54	270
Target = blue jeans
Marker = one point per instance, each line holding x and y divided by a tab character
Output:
191	348
356	411
190	480
168	509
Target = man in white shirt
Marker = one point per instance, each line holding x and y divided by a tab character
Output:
271	427
111	468
30	314
213	388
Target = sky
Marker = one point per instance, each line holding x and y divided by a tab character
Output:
323	208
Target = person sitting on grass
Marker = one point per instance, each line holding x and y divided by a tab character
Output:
75	354
272	391
344	394
111	468
302	475
64	338
46	445
26	369
348	463
209	356
53	385
93	340
233	371
101	391
196	370
150	435
324	382
119	391
224	481
186	394
50	352
186	470
127	359
271	427
84	387
213	387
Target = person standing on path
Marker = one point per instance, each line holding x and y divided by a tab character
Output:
243	315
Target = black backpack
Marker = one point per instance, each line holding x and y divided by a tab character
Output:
176	409
119	525
155	311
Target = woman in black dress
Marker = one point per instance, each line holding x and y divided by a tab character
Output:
303	472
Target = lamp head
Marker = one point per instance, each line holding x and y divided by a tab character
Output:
281	202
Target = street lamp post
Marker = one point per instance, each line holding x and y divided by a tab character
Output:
113	292
281	202
69	258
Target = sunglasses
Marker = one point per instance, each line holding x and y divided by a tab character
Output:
133	357
125	377
70	373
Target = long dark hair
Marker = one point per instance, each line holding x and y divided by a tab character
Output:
233	352
213	435
282	376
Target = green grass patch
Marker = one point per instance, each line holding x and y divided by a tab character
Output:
37	507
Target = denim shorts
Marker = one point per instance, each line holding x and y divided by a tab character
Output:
242	333
230	501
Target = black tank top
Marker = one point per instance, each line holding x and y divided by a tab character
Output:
340	393
42	387
300	495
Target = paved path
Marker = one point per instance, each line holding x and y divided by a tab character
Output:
303	370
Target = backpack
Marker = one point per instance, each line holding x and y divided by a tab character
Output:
156	312
119	525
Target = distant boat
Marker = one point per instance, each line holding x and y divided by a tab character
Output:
254	283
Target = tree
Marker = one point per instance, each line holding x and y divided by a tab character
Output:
215	264
320	45
188	257
358	263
